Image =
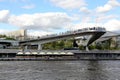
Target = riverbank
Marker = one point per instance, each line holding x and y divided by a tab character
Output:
48	55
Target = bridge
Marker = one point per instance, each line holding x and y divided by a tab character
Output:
7	43
91	33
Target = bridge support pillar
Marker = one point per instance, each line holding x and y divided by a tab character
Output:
26	47
39	47
86	48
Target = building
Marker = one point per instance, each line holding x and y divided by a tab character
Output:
18	35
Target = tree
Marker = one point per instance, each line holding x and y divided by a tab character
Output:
61	44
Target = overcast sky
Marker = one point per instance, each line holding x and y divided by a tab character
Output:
52	16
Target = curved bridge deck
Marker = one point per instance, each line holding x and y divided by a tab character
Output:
96	32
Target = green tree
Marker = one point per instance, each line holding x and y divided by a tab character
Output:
61	44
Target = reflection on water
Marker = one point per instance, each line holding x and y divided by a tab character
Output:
60	70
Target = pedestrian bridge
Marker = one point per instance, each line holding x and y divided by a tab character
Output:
93	34
5	43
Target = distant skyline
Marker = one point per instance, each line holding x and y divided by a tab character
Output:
42	17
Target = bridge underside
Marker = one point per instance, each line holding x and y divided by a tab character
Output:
5	44
93	38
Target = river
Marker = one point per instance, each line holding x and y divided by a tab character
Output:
60	70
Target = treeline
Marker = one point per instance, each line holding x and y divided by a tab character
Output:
6	37
61	44
2	36
105	45
58	45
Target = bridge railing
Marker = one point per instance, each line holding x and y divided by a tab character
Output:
76	31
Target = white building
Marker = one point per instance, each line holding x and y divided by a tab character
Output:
18	35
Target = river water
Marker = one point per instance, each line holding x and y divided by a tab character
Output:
60	70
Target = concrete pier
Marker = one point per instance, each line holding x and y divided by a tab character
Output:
29	55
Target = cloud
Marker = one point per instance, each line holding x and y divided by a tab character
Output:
103	18
31	6
48	22
86	19
3	31
69	4
4	15
83	25
108	6
85	10
112	25
38	33
42	21
114	3
39	21
104	8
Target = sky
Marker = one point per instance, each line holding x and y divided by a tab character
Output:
41	17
